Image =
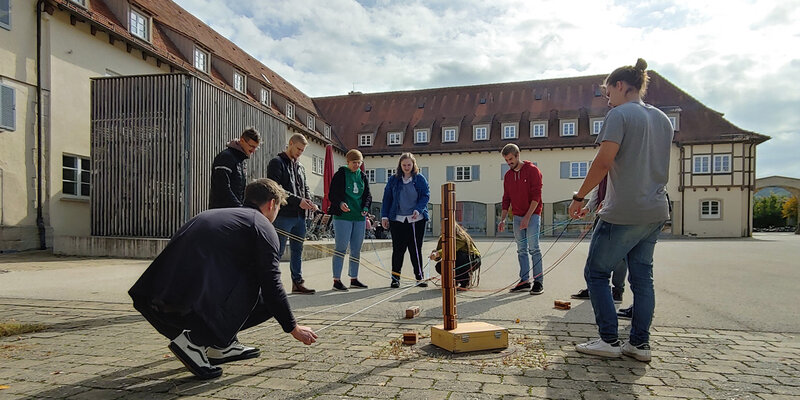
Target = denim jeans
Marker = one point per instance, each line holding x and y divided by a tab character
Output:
348	233
296	226
528	244
611	243
618	276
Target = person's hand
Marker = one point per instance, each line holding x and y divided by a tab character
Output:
365	213
307	204
584	211
434	255
501	227
415	214
575	209
304	334
524	223
344	207
385	223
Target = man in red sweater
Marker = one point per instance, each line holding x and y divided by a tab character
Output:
522	190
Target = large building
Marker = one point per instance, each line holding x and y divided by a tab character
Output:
53	53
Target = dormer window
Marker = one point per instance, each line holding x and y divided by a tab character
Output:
509	131
569	128
290	110
238	81
327	131
200	60
421	136
140	25
265	97
81	3
310	121
673	120
394	138
365	140
449	134
480	132
538	129
597	125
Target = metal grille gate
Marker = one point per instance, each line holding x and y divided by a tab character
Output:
153	140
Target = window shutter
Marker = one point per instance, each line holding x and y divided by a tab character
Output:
5	14
7	108
476	172
380	175
424	173
503	169
565	170
451	174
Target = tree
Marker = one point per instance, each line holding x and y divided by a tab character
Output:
789	210
767	211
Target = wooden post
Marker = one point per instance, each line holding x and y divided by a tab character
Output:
449	255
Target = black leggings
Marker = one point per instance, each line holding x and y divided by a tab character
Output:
463	268
407	236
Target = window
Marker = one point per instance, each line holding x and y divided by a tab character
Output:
673	119
140	25
310	122
722	163
509	131
463	173
568	128
289	110
238	81
394	138
200	59
317	164
76	176
597	126
5	14
327	131
421	136
481	133
538	129
449	135
370	173
80	2
710	209
266	97
701	164
578	169
390	172
8	108
365	140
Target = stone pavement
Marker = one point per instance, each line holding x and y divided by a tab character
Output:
105	350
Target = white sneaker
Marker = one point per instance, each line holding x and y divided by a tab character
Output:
234	351
193	357
640	352
598	347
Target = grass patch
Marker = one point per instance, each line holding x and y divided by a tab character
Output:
15	328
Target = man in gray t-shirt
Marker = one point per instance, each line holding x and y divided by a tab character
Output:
635	144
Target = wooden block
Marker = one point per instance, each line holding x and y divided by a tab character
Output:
410	338
412	312
470	336
562	305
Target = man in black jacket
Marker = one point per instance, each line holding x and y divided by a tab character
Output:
228	172
286	169
219	274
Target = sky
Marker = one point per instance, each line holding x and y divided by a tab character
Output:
734	56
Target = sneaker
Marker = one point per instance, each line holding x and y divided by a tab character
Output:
298	288
538	288
598	347
354	283
582	294
422	284
640	352
234	351
617	295
338	285
395	284
625	313
193	357
522	286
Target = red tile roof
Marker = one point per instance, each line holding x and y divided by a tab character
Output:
550	99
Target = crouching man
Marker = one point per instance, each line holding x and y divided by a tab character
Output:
218	275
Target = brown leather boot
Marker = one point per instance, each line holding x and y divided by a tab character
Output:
298	288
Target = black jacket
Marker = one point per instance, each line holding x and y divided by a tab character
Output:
336	192
279	170
209	276
228	179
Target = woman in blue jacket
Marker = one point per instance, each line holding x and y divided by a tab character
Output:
405	212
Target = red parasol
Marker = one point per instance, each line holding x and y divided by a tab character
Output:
327	176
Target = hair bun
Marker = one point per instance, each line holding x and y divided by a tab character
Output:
641	64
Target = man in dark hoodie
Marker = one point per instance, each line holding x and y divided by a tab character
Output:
522	190
228	172
286	169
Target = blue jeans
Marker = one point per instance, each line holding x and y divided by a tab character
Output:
528	243
296	226
348	233
611	243
618	276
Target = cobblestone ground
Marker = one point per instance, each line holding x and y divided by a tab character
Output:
93	350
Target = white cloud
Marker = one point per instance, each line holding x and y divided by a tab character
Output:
735	56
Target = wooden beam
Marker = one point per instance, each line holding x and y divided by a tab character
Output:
72	20
93	30
128	47
144	56
110	39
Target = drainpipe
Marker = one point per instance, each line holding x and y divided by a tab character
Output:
750	172
39	217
